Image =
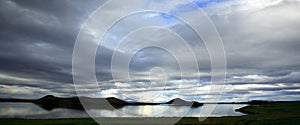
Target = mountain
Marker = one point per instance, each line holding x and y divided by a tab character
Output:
50	102
181	102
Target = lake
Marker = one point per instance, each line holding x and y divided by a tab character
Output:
32	111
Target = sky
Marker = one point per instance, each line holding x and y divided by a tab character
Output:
261	41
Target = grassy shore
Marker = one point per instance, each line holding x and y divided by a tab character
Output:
279	113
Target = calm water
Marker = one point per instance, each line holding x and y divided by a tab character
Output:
29	110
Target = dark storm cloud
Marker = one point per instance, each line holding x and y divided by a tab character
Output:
37	39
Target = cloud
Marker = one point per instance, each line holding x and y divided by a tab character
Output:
260	38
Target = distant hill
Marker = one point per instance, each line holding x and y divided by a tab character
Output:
181	102
258	102
50	102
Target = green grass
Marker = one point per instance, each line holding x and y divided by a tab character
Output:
284	113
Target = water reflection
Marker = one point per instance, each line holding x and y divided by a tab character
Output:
29	110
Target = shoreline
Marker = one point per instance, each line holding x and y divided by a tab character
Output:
268	113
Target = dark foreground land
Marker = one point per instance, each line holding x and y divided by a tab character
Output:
274	113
